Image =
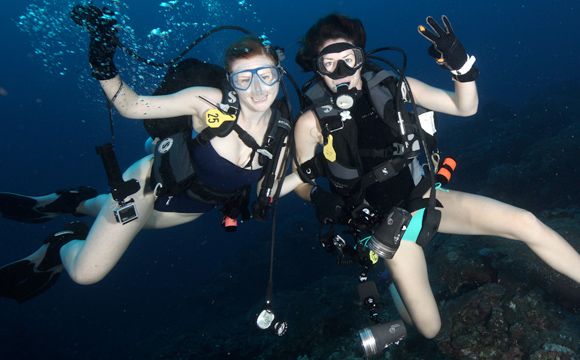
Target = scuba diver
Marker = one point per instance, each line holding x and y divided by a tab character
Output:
241	136
359	134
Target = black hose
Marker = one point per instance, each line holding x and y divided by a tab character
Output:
181	55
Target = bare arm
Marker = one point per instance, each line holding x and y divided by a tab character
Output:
307	135
101	24
291	181
449	52
462	102
134	106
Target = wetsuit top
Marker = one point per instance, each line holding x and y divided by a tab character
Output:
373	133
213	171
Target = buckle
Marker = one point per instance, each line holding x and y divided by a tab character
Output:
398	149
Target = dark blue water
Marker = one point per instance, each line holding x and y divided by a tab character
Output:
183	281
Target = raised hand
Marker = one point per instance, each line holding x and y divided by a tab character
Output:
101	26
447	50
94	20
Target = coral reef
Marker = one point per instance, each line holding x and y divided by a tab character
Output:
497	301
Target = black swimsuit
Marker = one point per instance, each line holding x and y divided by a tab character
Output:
213	171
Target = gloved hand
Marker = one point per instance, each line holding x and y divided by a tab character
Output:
330	208
100	24
448	50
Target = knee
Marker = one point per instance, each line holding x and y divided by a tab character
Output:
86	276
526	222
527	219
429	328
428	325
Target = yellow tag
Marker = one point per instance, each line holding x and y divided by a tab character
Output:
328	150
214	118
373	257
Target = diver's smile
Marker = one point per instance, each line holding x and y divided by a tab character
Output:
260	99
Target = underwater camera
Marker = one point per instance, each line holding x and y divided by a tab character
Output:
387	236
126	211
378	337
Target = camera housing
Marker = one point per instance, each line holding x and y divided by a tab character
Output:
388	235
126	212
375	339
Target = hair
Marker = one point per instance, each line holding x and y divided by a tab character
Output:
332	26
245	48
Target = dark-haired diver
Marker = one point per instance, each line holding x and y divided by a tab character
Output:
229	156
370	146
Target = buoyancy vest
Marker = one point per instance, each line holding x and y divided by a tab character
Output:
174	170
343	155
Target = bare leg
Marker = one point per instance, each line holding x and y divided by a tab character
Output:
470	214
92	207
161	220
158	220
409	271
89	261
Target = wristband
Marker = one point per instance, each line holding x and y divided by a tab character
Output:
466	67
471	75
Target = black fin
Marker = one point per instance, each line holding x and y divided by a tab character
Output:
31	276
26	209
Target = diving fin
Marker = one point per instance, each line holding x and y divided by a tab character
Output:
31	209
29	277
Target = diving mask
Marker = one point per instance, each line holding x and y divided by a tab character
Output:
268	75
346	60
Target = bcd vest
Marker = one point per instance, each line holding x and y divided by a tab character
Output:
341	154
174	171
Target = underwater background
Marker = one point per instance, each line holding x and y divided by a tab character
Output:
193	291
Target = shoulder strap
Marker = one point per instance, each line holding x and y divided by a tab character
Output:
278	128
246	138
229	105
316	92
281	129
381	87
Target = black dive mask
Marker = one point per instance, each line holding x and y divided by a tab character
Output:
347	65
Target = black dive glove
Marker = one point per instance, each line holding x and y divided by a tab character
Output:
100	24
448	50
329	207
